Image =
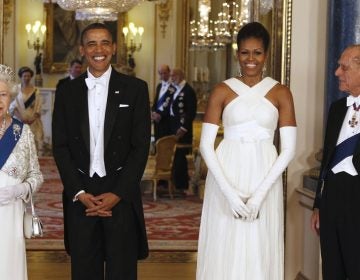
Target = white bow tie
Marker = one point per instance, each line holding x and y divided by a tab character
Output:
350	100
92	82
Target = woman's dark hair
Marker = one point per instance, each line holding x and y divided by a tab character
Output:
95	25
253	30
24	69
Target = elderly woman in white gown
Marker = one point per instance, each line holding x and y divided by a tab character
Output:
19	176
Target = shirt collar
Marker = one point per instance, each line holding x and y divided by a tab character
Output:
105	76
180	85
350	100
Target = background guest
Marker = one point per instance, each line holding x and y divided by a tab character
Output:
182	115
160	114
19	175
27	105
75	69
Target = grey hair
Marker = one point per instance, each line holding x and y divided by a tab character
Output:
7	76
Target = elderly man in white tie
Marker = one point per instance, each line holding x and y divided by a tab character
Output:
336	215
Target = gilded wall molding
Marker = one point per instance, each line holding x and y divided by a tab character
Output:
164	7
286	44
8	6
1	31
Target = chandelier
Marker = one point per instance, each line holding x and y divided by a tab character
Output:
104	10
207	34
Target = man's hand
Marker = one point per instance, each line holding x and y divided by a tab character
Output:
156	117
180	133
103	204
315	221
88	200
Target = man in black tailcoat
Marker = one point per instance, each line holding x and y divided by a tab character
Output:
337	203
74	72
160	114
182	115
101	136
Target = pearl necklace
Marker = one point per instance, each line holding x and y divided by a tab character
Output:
3	127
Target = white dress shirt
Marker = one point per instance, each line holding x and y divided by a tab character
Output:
346	165
97	98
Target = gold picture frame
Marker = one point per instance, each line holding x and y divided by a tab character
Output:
63	39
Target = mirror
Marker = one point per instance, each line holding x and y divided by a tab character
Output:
206	65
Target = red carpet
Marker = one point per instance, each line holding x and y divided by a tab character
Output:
172	224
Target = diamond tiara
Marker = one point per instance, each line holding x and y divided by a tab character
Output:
6	73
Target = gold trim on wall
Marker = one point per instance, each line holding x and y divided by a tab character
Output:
7	9
1	31
52	64
164	8
286	42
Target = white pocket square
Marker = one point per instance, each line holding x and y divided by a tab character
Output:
123	105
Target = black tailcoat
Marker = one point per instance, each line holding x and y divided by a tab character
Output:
126	142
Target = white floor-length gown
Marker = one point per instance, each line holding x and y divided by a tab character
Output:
229	248
22	165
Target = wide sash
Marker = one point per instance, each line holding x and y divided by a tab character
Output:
30	100
344	150
9	140
166	98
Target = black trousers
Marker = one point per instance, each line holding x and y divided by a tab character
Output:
103	248
180	169
162	128
340	227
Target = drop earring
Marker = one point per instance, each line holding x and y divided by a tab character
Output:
263	72
239	71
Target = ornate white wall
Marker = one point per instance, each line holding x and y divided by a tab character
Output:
307	85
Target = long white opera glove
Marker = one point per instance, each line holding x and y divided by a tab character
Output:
288	144
208	135
11	193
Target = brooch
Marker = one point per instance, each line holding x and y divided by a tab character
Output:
16	131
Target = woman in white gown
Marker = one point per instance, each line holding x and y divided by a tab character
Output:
19	175
241	232
27	105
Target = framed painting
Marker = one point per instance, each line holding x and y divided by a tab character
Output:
63	39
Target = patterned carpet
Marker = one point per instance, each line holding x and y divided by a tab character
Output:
172	224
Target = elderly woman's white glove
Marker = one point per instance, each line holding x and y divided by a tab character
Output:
11	193
236	204
288	143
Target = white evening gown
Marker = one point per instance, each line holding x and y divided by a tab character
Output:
229	248
22	165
